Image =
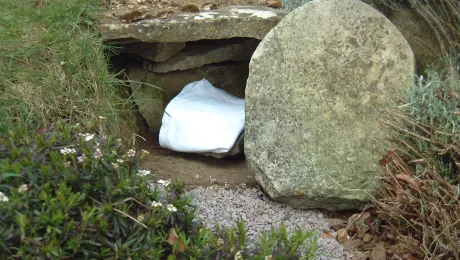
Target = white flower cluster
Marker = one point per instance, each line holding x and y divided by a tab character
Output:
97	154
82	158
156	204
66	151
131	153
87	137
3	197
164	183
143	172
23	188
169	207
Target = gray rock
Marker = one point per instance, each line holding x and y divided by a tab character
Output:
317	85
155	51
148	98
198	54
231	22
230	77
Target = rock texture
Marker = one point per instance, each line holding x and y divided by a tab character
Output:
231	22
151	102
198	54
156	51
148	98
317	85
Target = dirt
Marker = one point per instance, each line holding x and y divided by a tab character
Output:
195	169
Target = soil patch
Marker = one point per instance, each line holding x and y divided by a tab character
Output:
195	169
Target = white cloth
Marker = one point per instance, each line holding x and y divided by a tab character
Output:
202	118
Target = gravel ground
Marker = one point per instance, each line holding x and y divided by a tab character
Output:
259	214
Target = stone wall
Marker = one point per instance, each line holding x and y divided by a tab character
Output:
158	76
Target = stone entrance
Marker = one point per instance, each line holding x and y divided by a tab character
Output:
161	56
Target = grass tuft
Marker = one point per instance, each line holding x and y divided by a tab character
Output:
52	65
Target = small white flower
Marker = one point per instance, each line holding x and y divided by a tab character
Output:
114	165
23	188
97	154
131	153
118	141
171	208
120	161
82	158
113	152
62	63
67	164
238	256
3	197
74	107
164	183
156	204
220	242
140	218
143	172
76	125
87	136
66	151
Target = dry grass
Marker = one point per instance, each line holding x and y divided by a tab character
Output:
442	17
420	194
420	205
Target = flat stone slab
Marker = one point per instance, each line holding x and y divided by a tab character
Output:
198	54
230	22
155	51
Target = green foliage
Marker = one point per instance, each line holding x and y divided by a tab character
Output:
290	5
75	195
435	99
433	105
231	243
69	194
52	65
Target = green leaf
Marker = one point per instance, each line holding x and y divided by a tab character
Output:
7	175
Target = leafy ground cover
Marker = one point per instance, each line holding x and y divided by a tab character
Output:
68	187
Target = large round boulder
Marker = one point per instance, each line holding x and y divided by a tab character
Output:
318	83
